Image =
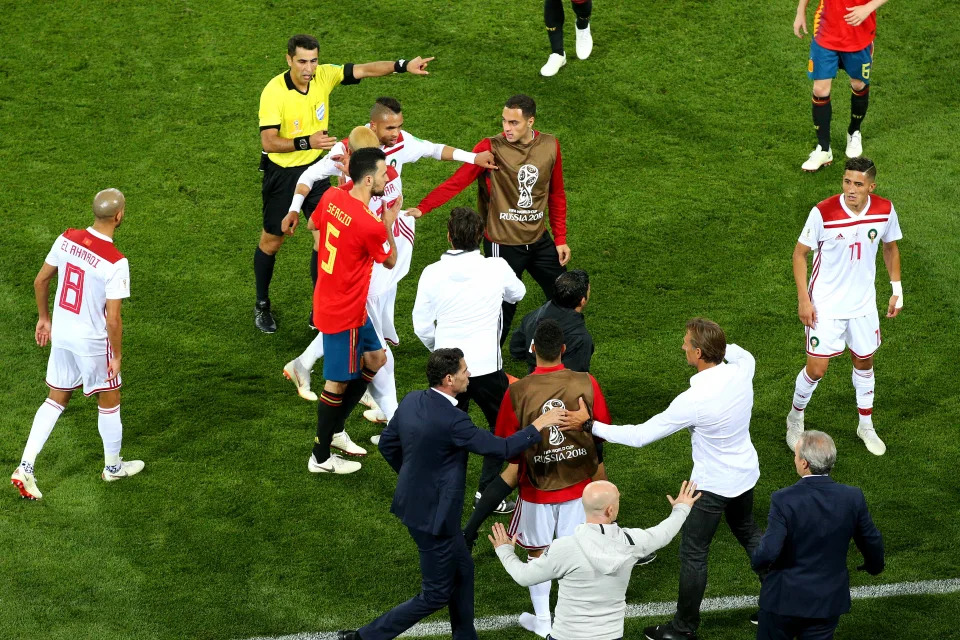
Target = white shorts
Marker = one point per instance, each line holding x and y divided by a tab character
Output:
67	371
861	335
540	524
380	309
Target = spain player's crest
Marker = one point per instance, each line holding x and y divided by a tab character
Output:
872	234
814	341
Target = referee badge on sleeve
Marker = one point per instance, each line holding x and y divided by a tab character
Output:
321	111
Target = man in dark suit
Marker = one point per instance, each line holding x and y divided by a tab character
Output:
805	547
426	443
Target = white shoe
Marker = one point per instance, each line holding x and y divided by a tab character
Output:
584	43
26	484
872	440
554	62
818	158
367	400
854	145
375	415
532	623
375	439
127	469
342	442
333	464
794	428
298	375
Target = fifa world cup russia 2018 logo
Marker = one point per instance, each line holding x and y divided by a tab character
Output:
526	178
556	436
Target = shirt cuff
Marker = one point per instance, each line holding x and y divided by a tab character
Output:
560	240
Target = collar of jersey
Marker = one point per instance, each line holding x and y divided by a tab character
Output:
97	234
856	216
289	80
540	369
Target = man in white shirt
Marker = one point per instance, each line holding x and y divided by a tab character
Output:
459	304
84	336
716	410
594	564
839	305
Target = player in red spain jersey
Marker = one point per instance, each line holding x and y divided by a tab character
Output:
84	336
352	239
843	32
839	305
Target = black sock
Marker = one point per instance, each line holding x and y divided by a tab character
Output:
583	9
553	18
351	397
263	272
495	493
858	108
314	257
822	112
328	416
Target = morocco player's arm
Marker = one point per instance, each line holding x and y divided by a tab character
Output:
891	258
456	183
41	289
557	204
114	337
805	308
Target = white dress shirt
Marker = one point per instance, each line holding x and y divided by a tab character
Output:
716	408
459	301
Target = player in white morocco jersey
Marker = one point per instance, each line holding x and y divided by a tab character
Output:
84	336
838	306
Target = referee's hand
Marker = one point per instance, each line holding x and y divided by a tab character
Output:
418	66
320	140
290	222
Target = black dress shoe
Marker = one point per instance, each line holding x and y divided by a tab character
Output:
506	506
345	634
646	559
755	618
262	317
667	632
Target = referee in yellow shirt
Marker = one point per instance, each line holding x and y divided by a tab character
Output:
294	111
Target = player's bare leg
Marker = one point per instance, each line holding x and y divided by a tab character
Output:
859	99
43	422
807	381
264	259
864	384
822	113
111	432
539	622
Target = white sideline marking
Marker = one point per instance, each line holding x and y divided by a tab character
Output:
654	609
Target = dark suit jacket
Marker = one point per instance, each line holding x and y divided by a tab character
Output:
575	335
805	548
426	443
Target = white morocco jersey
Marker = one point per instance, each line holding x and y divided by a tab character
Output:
90	271
409	148
845	263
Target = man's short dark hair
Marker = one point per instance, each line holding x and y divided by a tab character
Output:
384	107
862	165
465	227
548	339
443	363
363	162
707	336
302	41
570	288
523	102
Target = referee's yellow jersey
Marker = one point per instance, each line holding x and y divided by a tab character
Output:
296	114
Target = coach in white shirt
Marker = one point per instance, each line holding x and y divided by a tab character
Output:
716	409
459	302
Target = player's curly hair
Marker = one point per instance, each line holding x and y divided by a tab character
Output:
443	363
523	102
707	336
862	165
302	41
548	340
570	288
465	227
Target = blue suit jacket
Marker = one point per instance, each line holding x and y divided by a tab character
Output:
805	548
426	443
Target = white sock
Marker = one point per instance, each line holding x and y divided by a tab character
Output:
111	432
864	384
312	353
384	387
43	423
540	596
803	390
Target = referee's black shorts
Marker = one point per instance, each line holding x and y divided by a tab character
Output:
279	185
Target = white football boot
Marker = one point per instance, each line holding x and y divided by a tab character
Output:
554	62
375	415
298	375
367	400
854	145
530	622
333	464
584	43
818	158
794	428
26	484
870	438
127	468
375	440
342	442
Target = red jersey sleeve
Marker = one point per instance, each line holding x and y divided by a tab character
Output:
456	183
507	422
600	411
376	242
557	202
317	214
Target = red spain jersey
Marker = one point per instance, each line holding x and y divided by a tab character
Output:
352	238
832	32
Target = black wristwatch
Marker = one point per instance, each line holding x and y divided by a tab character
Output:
588	426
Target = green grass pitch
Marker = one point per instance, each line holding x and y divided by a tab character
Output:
682	138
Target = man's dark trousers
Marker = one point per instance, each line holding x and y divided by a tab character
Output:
487	391
776	627
447	569
698	532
